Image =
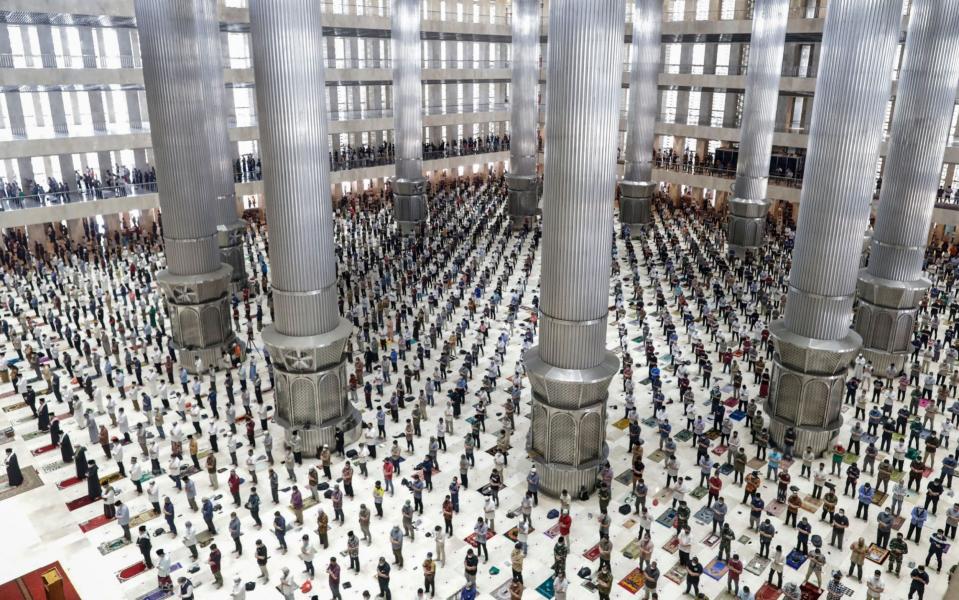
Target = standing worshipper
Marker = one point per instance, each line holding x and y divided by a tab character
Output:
94	490
66	448
12	463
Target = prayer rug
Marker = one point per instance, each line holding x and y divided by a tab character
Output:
716	569
744	539
621	424
737	415
719	450
712	434
877	554
810	504
142	517
32	435
657	456
666	519
51	467
795	559
13	407
704	516
810	592
672	545
757	564
633	582
97	521
471	538
755	463
31	481
664	495
775	508
676	574
68	482
553	532
113	545
545	589
631	550
650	422
897	476
629	523
768	592
711	540
513	534
592	554
898	522
699	493
626	477
879	497
80	502
683	436
726	469
138	568
502	592
110	478
731	402
308	502
850	458
43	449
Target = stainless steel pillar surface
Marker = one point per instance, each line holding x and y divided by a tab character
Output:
570	369
748	208
308	337
637	187
409	185
892	286
195	283
814	343
524	113
230	229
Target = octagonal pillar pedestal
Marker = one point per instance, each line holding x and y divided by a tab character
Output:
311	394
635	205
567	434
747	224
885	318
409	204
806	387
200	316
229	238
523	199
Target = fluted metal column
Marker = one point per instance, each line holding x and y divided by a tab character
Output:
195	282
570	369
409	186
524	113
892	286
230	228
308	337
637	187
814	343
748	208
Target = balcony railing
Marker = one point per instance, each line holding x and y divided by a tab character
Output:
337	163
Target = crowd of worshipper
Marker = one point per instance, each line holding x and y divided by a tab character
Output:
441	320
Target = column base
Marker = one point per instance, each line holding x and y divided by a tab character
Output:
568	421
807	386
311	394
409	205
554	477
885	318
636	205
746	229
200	316
523	202
229	238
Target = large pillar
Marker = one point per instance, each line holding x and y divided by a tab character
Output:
195	283
409	186
748	208
637	186
814	343
570	369
230	229
308	337
524	113
892	286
